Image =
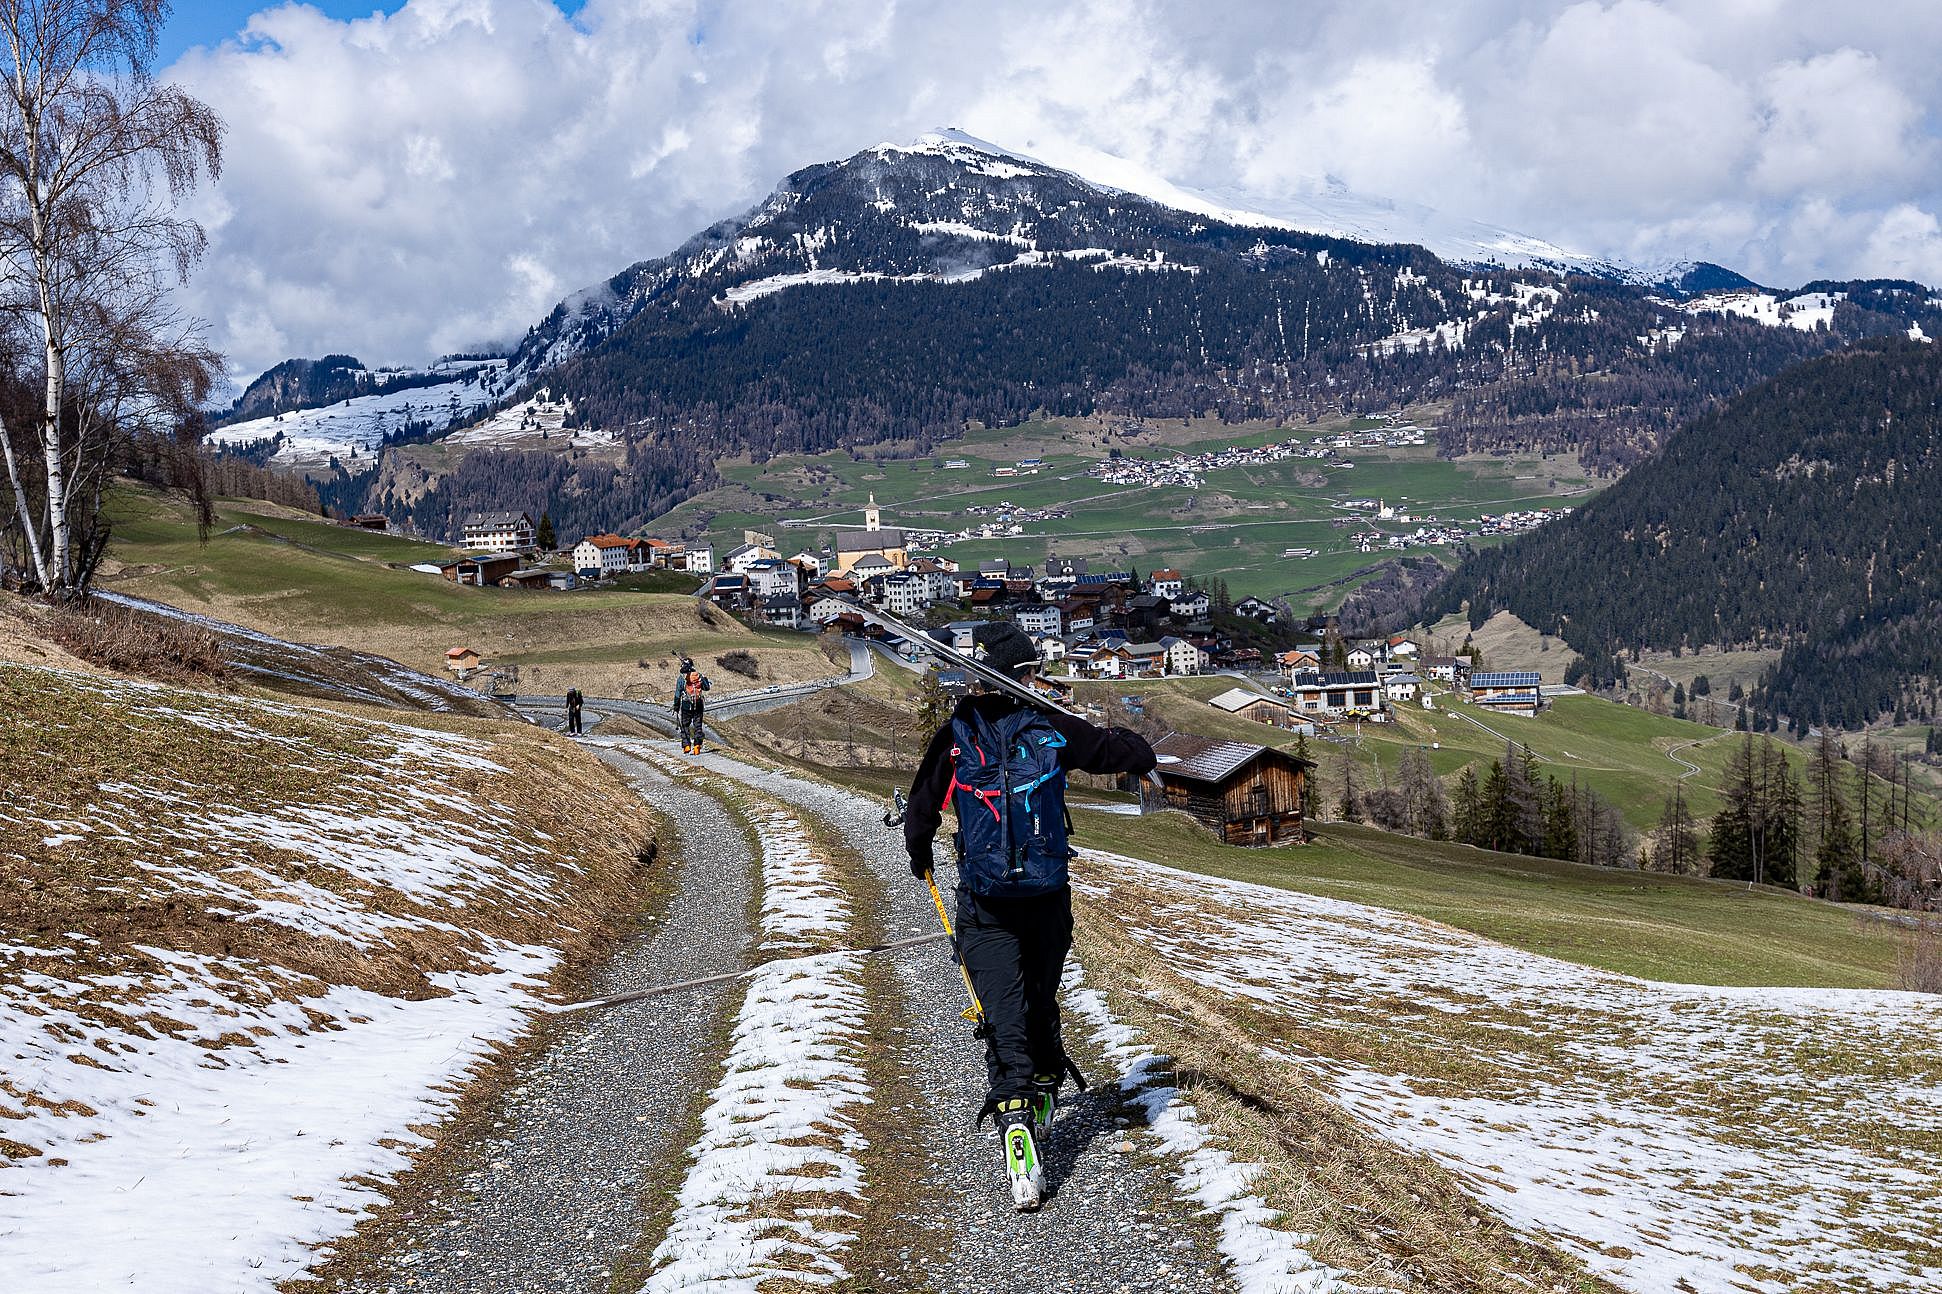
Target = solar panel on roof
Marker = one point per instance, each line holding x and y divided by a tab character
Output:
1505	678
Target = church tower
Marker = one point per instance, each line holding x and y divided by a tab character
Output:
872	515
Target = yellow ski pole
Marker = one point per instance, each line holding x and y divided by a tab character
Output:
975	1012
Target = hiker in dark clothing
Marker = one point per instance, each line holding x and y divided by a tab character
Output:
689	687
1002	765
573	703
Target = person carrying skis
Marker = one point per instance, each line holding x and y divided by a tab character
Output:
1002	765
688	689
573	703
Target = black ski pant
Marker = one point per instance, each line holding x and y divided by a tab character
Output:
1015	950
573	721
691	726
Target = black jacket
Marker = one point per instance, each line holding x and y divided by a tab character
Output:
1087	750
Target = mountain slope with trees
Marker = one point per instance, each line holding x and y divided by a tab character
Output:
888	300
1802	515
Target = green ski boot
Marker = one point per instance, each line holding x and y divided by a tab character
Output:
1015	1122
1045	1102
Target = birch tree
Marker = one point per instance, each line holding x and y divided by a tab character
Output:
95	154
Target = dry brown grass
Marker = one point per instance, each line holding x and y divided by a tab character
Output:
128	642
67	741
1389	1217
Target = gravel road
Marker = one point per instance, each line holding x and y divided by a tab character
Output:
1112	1222
550	1197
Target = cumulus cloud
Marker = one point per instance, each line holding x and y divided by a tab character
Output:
434	179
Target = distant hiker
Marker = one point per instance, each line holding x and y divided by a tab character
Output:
1002	765
573	703
689	687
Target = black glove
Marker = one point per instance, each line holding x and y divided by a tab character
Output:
920	864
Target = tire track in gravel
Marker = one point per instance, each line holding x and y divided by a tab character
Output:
1113	1222
550	1201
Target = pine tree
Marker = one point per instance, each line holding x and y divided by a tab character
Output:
1311	791
1428	808
933	703
1349	807
1524	786
1730	847
1560	821
544	536
1677	848
1498	814
1467	818
1838	874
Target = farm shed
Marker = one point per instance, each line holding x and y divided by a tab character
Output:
1249	794
1243	704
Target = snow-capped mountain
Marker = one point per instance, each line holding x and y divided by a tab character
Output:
948	207
911	288
1317	206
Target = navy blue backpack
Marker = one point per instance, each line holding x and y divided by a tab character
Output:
1008	788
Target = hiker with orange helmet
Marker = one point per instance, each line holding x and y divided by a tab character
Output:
689	687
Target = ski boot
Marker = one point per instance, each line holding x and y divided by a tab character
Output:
1015	1123
1045	1102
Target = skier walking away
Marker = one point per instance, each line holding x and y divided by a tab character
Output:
1002	766
573	703
688	705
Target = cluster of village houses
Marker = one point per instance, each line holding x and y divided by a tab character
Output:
1101	624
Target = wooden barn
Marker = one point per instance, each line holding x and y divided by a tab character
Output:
1250	795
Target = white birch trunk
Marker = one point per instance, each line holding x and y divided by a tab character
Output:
59	561
28	525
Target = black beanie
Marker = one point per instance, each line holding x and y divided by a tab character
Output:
1004	647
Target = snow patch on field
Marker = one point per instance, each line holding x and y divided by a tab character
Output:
1727	1137
1264	1258
771	1192
205	1119
195	1165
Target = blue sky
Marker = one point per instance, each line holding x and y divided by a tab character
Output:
210	22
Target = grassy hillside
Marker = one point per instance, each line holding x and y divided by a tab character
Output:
1236	527
296	577
1636	923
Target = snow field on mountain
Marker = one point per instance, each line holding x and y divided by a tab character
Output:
1266	1259
1728	1138
312	436
257	949
1808	311
773	1187
1099	258
540	419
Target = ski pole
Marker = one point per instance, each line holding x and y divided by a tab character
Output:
636	995
975	1012
899	806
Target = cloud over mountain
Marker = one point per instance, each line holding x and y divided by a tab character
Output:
439	177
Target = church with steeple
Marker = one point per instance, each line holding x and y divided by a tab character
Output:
886	546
